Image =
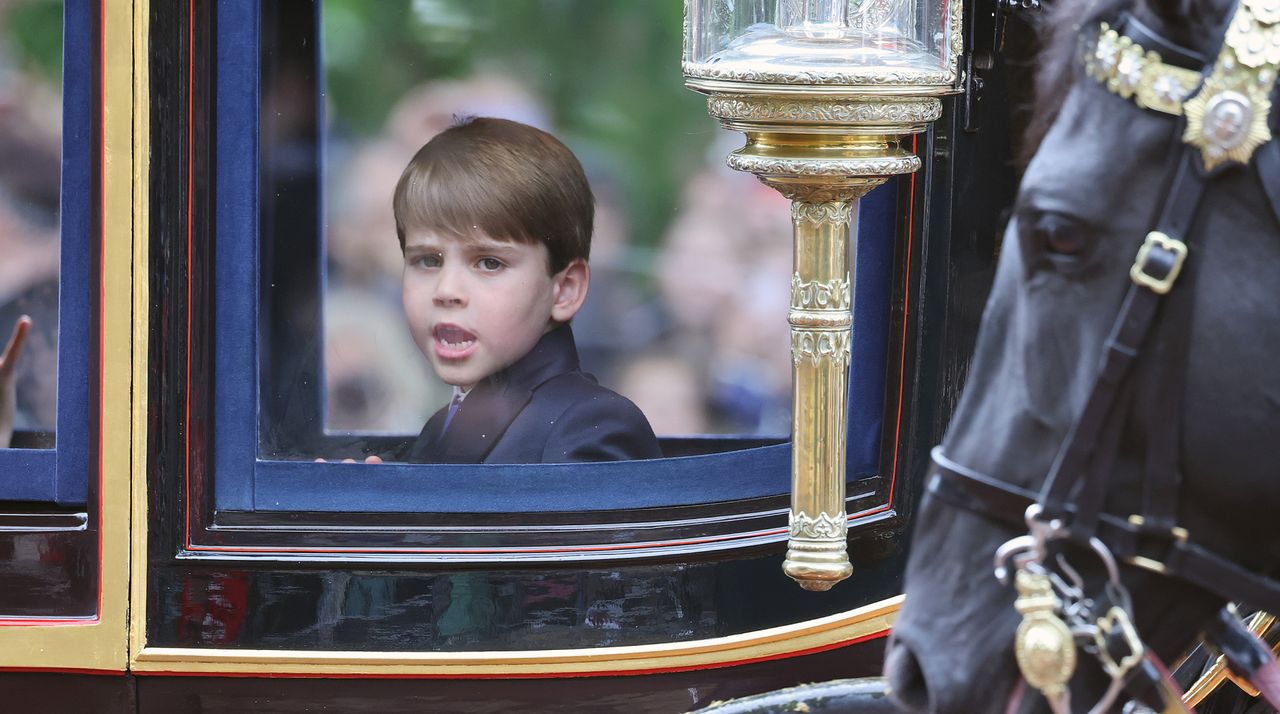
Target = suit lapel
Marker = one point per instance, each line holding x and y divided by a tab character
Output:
423	449
481	420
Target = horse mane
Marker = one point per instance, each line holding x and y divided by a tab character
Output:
1190	23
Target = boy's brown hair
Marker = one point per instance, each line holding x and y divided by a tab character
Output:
505	179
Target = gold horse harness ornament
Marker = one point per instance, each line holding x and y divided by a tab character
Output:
1227	118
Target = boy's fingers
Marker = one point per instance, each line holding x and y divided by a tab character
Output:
9	358
367	460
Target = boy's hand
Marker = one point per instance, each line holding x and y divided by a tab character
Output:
368	460
9	379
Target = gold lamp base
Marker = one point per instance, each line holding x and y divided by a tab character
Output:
824	150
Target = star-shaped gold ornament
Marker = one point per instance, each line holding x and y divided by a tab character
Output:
1227	118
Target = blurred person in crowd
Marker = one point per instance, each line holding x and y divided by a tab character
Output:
724	276
619	294
668	389
371	386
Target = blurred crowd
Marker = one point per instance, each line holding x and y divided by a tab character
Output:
690	325
30	153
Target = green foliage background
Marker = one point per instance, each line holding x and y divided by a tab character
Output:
34	32
608	70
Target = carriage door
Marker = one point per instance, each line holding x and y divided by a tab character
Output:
66	218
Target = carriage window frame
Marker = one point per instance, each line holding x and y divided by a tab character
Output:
243	483
60	475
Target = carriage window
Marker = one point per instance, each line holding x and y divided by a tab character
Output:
690	262
44	227
686	310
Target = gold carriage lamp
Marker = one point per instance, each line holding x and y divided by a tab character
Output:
824	91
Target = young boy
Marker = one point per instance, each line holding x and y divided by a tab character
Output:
494	219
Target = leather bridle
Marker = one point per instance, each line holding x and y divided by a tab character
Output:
1226	106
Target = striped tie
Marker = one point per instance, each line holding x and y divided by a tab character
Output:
453	409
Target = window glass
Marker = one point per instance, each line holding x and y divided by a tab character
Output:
30	155
686	314
690	262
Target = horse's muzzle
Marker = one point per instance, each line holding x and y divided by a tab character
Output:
907	685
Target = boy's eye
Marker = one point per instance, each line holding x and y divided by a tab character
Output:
427	261
489	264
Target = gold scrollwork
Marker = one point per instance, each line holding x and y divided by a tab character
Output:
905	110
825	167
820	294
818	346
834	212
956	32
823	527
870	77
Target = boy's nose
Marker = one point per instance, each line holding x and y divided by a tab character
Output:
449	289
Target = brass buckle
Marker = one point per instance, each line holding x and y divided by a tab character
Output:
1176	533
1116	616
1138	273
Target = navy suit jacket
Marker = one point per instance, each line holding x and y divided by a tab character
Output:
542	409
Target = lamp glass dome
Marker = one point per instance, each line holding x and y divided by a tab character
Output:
850	42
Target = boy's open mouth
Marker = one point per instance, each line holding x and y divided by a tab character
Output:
453	342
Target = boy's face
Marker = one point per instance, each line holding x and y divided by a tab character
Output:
476	305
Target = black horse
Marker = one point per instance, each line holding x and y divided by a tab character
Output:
1090	193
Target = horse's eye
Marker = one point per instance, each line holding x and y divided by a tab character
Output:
1060	235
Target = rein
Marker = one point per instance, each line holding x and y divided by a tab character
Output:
1226	106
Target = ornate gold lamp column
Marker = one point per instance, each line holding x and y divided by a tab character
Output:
824	91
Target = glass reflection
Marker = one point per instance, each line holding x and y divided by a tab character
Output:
802	40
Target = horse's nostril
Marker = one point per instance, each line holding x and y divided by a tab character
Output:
906	679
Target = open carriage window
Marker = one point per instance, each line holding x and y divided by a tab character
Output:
690	262
45	254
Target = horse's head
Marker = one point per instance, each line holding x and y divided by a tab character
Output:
1088	198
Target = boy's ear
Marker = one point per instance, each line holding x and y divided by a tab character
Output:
569	287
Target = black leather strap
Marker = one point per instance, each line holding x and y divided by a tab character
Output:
1266	161
1079	466
1159	405
1006	504
1170	53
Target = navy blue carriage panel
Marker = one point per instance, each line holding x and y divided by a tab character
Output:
57	471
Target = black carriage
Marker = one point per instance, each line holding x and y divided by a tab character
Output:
170	543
